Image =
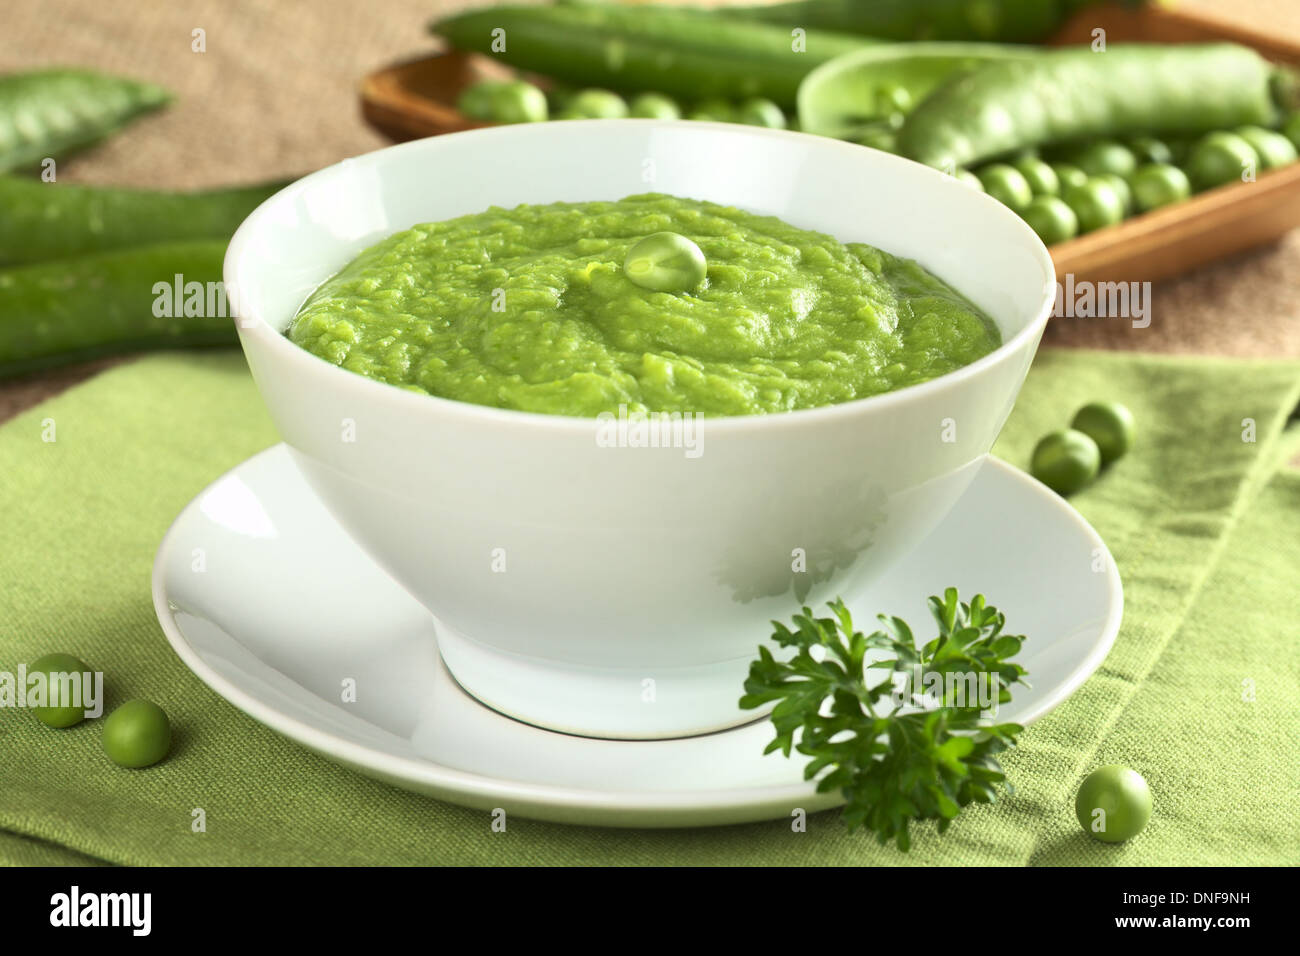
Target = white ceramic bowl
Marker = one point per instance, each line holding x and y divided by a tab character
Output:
620	591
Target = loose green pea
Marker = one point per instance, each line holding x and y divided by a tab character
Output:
475	101
504	101
1007	185
1159	185
1122	189
654	106
1106	156
1220	158
595	104
137	734
52	665
1065	461
1148	149
1068	175
1052	219
519	102
967	178
1113	803
665	262
1110	425
1272	147
1042	179
757	111
1096	203
715	110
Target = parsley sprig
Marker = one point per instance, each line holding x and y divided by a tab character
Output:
898	755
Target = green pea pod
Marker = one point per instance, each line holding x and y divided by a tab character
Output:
860	87
53	313
42	221
1002	21
683	53
53	112
1078	94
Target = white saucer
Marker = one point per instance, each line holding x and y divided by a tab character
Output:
286	609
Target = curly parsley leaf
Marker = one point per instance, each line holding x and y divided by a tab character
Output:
916	745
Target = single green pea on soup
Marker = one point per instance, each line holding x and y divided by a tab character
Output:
532	308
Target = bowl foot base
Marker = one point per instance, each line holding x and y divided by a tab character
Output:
647	704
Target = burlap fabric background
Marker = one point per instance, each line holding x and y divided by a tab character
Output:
275	95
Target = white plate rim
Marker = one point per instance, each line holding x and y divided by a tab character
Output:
649	808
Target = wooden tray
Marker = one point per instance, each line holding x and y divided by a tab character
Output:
418	98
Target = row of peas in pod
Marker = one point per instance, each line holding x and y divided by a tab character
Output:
1072	190
519	101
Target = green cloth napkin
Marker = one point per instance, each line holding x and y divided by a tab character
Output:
1204	526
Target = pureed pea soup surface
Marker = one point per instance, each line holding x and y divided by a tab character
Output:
529	308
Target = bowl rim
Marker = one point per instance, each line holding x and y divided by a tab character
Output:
394	398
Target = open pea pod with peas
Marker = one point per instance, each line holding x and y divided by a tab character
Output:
883	83
1072	139
1076	94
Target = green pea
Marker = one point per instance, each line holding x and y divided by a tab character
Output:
665	262
715	110
1052	219
137	734
1042	179
476	101
1106	156
1113	803
1096	203
520	102
1007	185
504	101
1220	158
1122	189
1069	175
53	665
1065	461
1148	149
1110	425
595	104
757	111
1272	147
654	106
1159	185
1291	129
967	178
